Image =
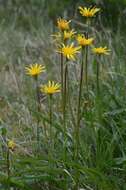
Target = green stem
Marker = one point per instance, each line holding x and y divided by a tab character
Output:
8	167
77	127
79	104
50	120
61	67
97	78
38	110
86	58
8	163
62	70
51	138
64	107
63	94
86	68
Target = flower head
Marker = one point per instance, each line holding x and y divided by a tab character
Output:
11	145
63	24
50	88
35	69
69	51
101	50
83	41
69	34
88	12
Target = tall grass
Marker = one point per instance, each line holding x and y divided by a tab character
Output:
101	159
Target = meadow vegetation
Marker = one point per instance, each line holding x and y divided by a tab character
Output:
63	96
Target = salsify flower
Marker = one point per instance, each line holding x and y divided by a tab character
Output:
101	50
63	24
50	88
69	51
35	69
11	145
83	41
69	34
88	12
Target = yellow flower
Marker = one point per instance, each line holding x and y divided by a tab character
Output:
88	12
63	24
83	41
35	69
69	34
101	50
50	88
11	145
69	51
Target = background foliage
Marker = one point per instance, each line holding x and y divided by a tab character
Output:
25	29
27	13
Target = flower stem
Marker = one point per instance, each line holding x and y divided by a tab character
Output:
8	163
63	94
86	68
62	70
77	127
8	167
97	78
64	107
86	59
51	138
38	110
61	67
50	120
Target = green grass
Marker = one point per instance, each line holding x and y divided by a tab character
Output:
102	150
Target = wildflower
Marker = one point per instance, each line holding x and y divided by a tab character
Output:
88	12
35	69
11	145
69	51
63	24
69	34
50	88
83	41
101	50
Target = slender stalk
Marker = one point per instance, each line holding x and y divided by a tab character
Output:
79	105
97	78
64	107
51	141
77	127
62	71
50	120
8	167
63	94
61	67
8	163
73	119
86	58
38	110
86	68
